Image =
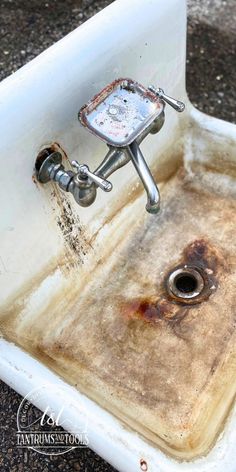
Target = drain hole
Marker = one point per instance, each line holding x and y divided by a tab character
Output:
186	283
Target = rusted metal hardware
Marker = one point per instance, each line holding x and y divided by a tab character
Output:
121	115
121	112
82	184
185	283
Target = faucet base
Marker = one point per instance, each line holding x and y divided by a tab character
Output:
43	172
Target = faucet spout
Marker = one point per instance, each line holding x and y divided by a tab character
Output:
153	195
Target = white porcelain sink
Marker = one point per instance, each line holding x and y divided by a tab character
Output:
82	293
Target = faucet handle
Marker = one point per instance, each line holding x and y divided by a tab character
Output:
84	172
176	104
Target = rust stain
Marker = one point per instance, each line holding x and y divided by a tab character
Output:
161	367
71	227
34	179
68	221
106	91
203	255
43	154
143	465
96	100
56	147
46	151
148	310
199	254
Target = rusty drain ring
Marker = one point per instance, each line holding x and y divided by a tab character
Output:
185	283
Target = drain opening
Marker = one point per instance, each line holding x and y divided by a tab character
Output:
185	283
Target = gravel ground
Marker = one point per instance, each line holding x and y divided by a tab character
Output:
30	26
26	29
211	57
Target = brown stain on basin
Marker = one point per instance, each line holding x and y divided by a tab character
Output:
199	254
165	368
146	310
203	255
77	241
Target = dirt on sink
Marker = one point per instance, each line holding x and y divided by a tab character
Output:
165	368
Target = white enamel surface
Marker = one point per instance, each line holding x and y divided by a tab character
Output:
121	448
39	104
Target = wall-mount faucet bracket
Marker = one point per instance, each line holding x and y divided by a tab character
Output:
121	115
52	160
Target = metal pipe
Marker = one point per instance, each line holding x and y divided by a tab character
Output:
114	160
153	195
118	157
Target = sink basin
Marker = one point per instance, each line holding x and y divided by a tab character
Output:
166	370
84	299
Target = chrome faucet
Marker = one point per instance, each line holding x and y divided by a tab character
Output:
122	115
